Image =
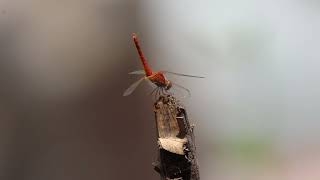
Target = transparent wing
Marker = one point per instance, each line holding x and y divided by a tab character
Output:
185	89
151	84
138	72
179	74
133	87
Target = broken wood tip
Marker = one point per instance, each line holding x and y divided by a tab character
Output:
177	150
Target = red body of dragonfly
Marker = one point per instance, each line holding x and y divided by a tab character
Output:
156	78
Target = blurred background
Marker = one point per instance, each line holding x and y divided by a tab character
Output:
64	67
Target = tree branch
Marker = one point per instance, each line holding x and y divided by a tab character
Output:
177	150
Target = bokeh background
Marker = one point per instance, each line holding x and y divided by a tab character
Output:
64	65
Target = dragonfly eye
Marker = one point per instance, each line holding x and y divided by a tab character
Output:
168	85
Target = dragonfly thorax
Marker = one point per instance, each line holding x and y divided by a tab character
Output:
160	80
166	84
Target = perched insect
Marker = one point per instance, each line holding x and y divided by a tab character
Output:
156	78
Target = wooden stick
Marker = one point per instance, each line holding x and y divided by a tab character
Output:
177	151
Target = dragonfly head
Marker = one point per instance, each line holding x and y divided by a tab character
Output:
168	85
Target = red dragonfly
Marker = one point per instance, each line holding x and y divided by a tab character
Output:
156	78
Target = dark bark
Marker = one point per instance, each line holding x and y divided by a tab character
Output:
177	150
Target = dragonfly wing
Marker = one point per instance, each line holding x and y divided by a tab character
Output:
133	87
152	84
179	74
138	72
185	89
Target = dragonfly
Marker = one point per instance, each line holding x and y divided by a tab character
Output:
156	79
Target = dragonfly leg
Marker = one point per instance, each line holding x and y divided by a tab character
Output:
159	92
163	91
153	91
170	92
156	92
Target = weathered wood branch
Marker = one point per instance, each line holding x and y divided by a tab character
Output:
177	150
